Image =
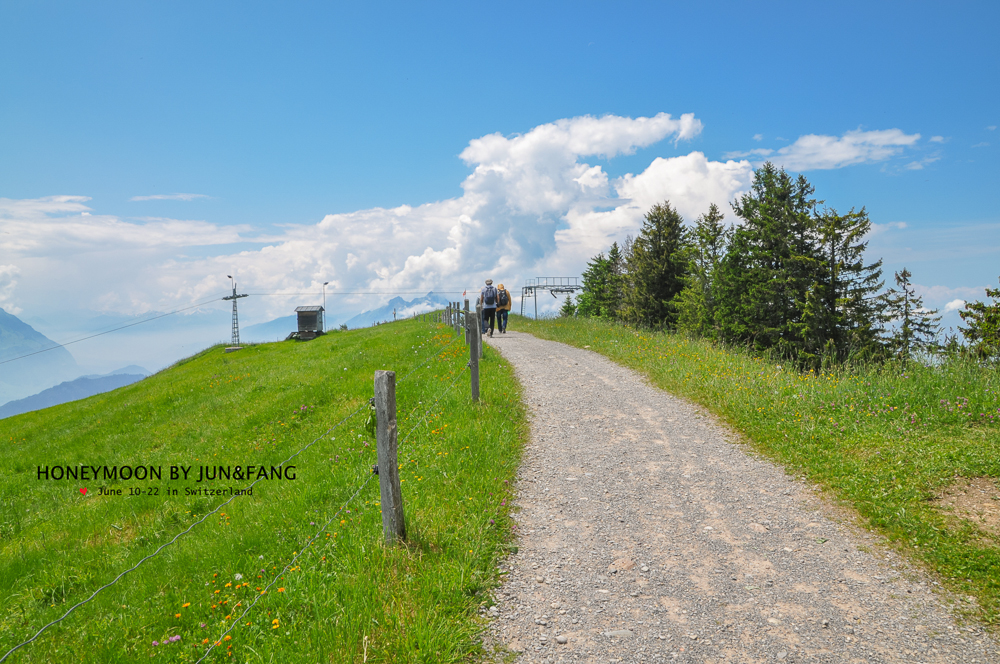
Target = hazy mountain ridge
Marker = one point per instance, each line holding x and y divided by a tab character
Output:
72	390
403	309
34	370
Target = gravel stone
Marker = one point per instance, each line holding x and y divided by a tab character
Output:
745	564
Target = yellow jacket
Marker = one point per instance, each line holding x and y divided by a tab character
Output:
510	299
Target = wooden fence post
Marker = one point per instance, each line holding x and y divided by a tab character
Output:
476	338
467	326
479	329
393	523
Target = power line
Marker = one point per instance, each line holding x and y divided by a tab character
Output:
223	504
75	341
329	292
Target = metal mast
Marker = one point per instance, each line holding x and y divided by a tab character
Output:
236	318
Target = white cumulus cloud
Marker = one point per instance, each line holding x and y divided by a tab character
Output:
954	305
536	203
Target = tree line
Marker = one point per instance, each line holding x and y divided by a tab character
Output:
791	279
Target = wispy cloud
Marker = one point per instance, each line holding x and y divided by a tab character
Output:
992	128
919	165
738	154
169	197
818	152
758	137
937	139
981	145
8	282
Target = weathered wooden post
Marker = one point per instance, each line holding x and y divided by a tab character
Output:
476	338
393	523
479	329
468	324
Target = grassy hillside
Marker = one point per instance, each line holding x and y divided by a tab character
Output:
346	597
883	440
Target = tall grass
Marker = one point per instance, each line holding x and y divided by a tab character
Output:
882	438
347	597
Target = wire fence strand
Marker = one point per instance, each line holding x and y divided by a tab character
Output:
321	530
286	568
234	496
175	538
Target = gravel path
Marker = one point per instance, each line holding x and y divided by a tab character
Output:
648	535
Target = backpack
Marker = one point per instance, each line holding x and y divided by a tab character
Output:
504	299
490	296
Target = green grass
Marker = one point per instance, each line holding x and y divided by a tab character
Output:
347	596
883	440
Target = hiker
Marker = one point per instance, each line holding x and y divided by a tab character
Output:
488	298
503	308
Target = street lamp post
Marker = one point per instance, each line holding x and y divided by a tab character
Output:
324	305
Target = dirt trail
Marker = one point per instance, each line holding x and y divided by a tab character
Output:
648	535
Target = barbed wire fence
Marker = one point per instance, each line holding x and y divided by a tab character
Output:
161	548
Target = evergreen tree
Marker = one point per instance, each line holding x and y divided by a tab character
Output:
917	326
983	331
568	309
773	263
842	313
696	303
657	268
602	285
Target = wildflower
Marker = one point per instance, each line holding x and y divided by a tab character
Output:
238	577
175	637
281	590
177	615
228	638
203	625
156	643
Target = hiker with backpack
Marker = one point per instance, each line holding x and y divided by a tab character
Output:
503	308
488	298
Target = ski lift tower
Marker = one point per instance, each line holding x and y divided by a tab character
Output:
553	285
236	319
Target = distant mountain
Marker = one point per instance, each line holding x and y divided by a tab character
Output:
403	309
35	370
81	388
275	330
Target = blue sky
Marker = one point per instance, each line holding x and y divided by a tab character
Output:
297	132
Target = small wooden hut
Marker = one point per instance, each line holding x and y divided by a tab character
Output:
310	321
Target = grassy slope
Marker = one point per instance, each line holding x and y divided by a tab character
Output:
347	595
882	441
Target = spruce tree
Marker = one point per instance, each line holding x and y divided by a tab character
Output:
772	264
696	303
568	309
602	286
657	268
983	331
917	326
842	314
